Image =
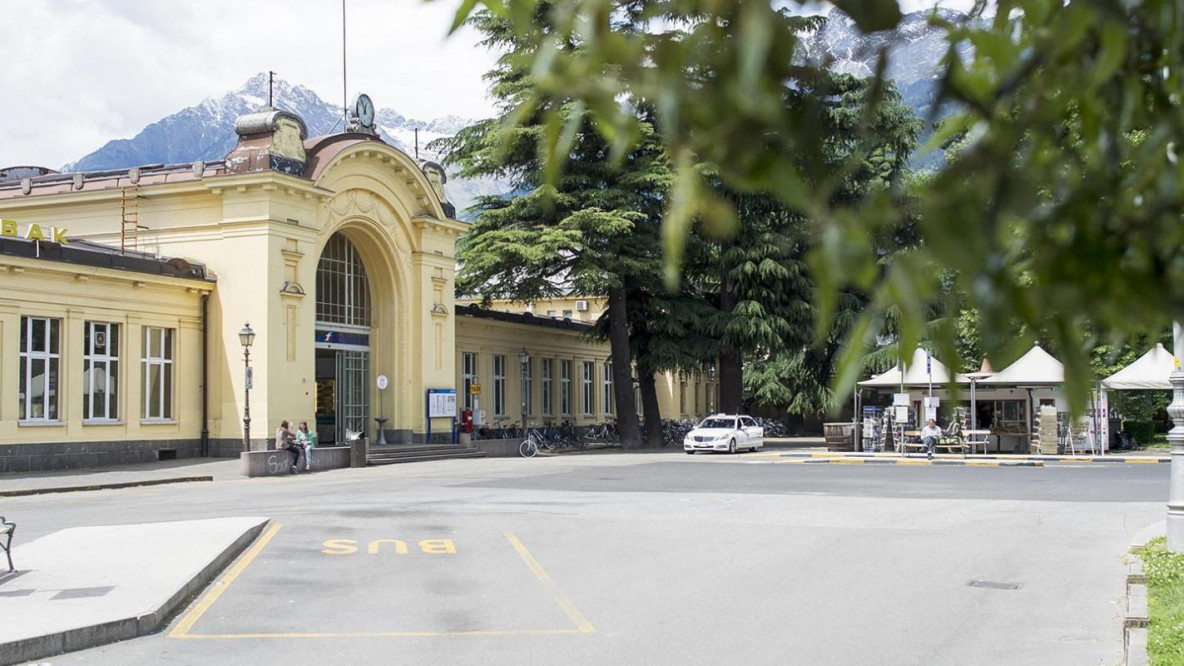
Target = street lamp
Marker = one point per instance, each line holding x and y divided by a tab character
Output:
525	358
246	337
1175	520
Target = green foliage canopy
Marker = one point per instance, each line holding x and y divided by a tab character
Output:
1062	211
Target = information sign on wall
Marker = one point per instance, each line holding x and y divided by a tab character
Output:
441	403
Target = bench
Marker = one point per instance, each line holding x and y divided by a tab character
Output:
950	439
6	531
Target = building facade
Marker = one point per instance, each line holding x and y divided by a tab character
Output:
338	251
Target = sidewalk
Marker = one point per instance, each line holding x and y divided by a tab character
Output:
87	586
169	471
821	454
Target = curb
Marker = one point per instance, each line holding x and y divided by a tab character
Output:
81	638
1017	458
1135	616
912	461
102	486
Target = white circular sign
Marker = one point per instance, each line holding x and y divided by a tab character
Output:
382	383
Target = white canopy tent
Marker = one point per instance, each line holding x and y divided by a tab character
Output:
1035	368
1149	373
918	372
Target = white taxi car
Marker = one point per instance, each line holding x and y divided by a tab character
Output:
724	432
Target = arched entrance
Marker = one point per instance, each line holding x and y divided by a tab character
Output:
343	321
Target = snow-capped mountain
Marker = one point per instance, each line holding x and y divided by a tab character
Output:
915	52
206	131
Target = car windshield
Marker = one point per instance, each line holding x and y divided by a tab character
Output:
718	423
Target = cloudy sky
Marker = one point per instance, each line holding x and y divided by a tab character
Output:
78	73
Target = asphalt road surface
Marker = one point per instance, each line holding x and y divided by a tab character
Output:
649	559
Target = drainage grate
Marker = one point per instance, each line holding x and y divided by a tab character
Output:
991	585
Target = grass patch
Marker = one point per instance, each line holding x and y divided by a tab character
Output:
1165	604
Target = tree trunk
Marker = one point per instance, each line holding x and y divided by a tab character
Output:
618	336
651	409
731	366
731	383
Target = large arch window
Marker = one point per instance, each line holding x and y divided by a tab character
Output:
343	291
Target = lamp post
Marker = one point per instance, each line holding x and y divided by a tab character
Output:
1175	520
246	337
525	358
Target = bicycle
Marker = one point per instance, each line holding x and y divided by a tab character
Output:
529	446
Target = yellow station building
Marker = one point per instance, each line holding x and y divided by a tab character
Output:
124	294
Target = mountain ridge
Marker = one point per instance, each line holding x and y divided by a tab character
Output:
205	130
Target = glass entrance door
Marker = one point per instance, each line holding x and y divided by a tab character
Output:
353	393
343	395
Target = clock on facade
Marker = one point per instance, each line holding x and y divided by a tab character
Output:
363	112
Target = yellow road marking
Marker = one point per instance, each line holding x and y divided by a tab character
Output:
395	634
914	462
1140	461
981	463
573	613
199	609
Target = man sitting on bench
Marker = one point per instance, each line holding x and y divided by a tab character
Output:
929	436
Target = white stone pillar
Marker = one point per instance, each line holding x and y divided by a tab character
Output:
1175	521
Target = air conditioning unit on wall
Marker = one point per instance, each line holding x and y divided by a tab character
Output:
581	306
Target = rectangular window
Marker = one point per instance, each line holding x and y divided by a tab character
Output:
499	385
565	387
469	375
682	393
40	362
695	384
158	373
100	371
527	382
547	386
608	388
587	394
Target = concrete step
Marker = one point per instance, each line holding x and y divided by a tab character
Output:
391	459
416	448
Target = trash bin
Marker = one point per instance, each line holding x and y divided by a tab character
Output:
358	448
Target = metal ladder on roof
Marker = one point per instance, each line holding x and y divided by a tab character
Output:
130	216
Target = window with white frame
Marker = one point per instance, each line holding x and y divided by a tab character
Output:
40	365
607	395
469	376
546	377
100	371
158	373
587	393
499	385
565	387
527	381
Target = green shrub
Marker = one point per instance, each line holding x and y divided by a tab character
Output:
1165	603
1139	431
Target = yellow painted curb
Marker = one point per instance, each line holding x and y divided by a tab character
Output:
1139	461
914	462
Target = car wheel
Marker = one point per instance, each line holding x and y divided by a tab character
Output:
732	446
690	453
